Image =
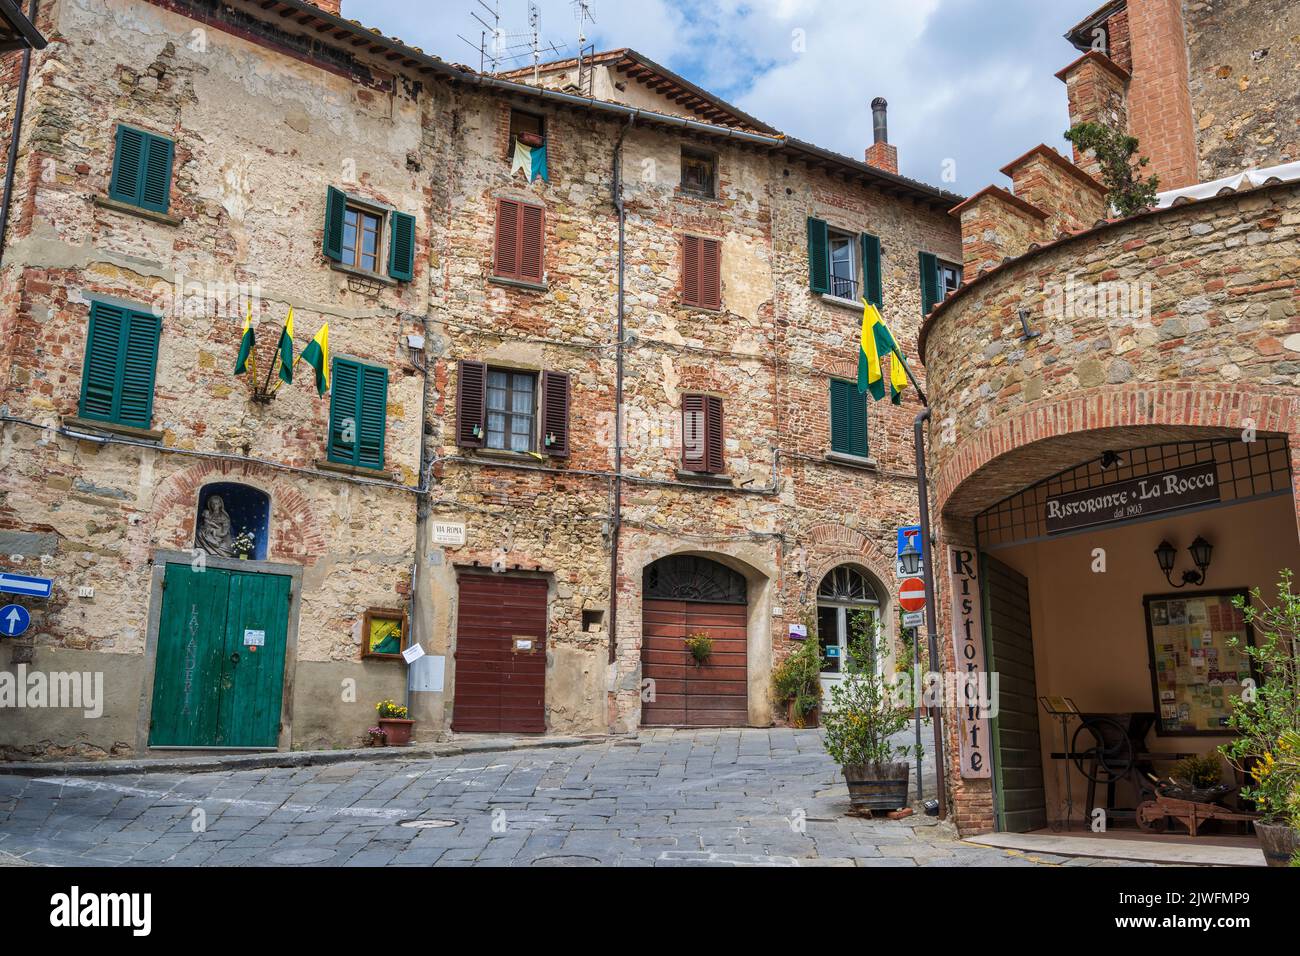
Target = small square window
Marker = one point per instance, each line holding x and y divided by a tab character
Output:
699	173
528	127
511	410
949	278
362	231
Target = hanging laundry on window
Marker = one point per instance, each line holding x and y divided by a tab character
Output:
532	160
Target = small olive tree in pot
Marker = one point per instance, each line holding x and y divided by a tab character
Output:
864	716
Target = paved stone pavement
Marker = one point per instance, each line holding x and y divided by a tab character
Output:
665	798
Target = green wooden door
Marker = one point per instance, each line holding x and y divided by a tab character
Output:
1022	801
258	611
219	673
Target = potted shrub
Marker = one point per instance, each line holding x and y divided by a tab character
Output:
863	717
797	686
1267	721
394	722
701	648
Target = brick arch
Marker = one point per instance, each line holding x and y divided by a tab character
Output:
1173	405
831	545
294	533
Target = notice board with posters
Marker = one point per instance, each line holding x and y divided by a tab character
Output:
1196	672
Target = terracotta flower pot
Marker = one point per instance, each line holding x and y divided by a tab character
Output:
1278	841
399	731
807	721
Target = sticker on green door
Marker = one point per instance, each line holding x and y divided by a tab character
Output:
219	672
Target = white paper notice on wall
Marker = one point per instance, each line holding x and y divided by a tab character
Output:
427	675
413	653
973	681
798	632
255	638
447	533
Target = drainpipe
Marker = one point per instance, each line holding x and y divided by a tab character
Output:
931	569
616	510
19	102
420	568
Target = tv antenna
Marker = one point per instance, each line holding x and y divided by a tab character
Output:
498	48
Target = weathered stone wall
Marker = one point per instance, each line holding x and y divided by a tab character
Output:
1198	332
258	139
1244	57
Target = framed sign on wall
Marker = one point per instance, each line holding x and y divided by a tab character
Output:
383	635
1196	668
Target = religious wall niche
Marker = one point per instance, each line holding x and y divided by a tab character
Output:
233	521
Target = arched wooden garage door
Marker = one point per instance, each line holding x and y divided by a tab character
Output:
684	596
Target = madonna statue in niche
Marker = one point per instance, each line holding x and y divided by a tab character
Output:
214	529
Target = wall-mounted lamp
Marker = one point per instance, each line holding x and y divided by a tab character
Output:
1202	551
910	558
1110	460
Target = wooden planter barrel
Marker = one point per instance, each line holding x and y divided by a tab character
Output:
809	721
878	786
1278	841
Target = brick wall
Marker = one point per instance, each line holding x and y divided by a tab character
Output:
1097	91
1072	199
1160	105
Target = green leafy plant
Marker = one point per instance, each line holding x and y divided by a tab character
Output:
1200	773
391	710
1127	189
1267	718
865	714
798	679
701	648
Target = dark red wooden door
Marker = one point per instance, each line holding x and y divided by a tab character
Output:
686	694
500	688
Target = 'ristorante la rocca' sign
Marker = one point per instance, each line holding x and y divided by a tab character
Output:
1129	500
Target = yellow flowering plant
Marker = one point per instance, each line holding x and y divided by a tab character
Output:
391	710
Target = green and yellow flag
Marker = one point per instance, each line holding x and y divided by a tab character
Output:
285	350
247	362
317	355
878	349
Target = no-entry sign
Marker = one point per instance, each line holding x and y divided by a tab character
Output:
911	595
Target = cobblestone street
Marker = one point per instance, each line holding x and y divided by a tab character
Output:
666	798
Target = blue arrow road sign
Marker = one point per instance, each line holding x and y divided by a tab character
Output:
28	587
14	620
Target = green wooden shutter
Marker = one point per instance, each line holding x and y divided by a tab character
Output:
848	420
344	427
930	294
819	256
358	414
401	246
156	180
336	204
873	286
117	379
372	413
142	169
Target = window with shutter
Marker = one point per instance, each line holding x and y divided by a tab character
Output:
471	404
873	288
142	169
555	413
336	207
848	420
701	272
702	434
401	246
819	265
358	414
520	241
117	379
930	294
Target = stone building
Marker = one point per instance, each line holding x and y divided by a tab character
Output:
1115	410
577	415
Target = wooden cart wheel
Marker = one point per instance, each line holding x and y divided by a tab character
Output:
1151	819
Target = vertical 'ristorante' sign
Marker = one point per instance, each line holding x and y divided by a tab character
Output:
968	646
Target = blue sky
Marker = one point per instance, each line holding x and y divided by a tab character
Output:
968	81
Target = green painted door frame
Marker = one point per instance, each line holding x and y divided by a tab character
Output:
221	650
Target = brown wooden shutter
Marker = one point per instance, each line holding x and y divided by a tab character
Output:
471	404
506	265
555	414
690	270
715	459
710	273
532	230
694	450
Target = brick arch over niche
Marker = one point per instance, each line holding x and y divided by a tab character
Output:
1138	414
295	532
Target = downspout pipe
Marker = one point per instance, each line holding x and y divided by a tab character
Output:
20	102
616	506
931	569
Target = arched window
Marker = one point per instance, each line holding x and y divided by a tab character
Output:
847	585
229	512
687	578
848	609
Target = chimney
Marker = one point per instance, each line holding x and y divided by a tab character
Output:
881	154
